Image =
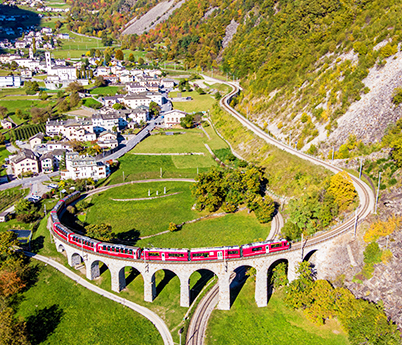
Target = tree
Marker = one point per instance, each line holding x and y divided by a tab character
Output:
12	331
107	41
107	59
74	99
279	277
154	108
297	292
100	81
172	227
25	210
341	187
43	95
3	111
119	55
101	231
187	121
141	61
18	113
131	57
75	86
2	139
117	106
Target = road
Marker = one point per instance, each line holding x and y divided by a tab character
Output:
132	142
28	180
199	321
150	315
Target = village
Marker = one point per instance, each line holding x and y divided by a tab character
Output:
145	98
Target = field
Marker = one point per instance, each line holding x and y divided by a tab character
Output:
24	104
27	131
137	167
90	102
166	304
57	311
146	217
105	91
198	102
274	324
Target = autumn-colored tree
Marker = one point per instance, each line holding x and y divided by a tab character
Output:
172	227
119	55
3	111
382	228
342	189
12	330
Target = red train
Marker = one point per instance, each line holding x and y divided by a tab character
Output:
158	254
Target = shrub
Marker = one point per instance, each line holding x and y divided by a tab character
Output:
372	253
71	209
172	227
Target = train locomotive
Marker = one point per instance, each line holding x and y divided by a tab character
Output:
157	254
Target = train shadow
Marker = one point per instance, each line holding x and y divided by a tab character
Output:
206	275
129	237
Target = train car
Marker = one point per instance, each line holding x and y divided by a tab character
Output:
62	231
118	250
165	254
59	206
217	253
55	218
72	197
279	245
256	248
83	242
265	247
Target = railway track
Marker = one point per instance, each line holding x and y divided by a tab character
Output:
199	321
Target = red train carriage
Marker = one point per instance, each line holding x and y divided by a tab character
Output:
62	231
219	253
83	242
165	254
265	247
118	250
279	245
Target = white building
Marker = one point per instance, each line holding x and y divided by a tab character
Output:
107	121
24	161
10	81
173	117
79	167
68	128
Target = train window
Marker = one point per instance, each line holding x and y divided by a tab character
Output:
108	248
92	245
276	245
256	249
205	255
104	247
233	252
130	251
176	255
153	254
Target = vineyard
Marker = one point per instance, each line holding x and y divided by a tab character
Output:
27	131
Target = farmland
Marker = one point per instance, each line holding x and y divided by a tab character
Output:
27	131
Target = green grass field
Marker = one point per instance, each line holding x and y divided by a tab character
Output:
138	167
23	104
148	167
231	229
147	217
198	102
58	311
166	304
274	324
105	91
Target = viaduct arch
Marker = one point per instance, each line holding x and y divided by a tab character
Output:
184	270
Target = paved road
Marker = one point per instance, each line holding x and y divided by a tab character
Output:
28	180
130	144
150	315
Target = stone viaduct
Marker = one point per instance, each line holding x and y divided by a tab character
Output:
263	264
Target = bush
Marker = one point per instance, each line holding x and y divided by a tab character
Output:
71	209
372	253
172	227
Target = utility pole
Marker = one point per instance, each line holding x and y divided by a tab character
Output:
161	172
123	176
301	248
378	191
361	168
333	152
356	216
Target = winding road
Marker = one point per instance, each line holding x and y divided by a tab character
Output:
199	321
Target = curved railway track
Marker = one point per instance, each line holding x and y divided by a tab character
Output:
199	321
